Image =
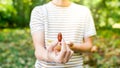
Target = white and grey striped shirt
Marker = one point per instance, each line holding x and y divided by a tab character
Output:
74	22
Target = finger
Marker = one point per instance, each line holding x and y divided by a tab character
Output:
70	43
52	46
67	55
59	43
63	50
67	47
72	52
63	45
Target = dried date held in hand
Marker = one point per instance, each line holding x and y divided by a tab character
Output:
59	37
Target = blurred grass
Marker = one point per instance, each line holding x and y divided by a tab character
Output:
17	51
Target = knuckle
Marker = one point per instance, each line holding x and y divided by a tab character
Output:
64	51
60	61
65	61
72	52
68	51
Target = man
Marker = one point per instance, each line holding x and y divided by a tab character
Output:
76	25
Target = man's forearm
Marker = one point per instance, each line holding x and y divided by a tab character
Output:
85	47
41	53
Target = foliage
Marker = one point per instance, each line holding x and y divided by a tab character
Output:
17	51
16	13
105	12
7	12
107	56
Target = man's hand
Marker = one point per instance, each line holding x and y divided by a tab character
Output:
62	56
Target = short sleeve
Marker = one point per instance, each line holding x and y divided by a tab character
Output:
89	25
36	20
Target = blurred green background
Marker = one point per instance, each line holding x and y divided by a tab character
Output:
16	48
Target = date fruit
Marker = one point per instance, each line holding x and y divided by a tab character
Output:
59	37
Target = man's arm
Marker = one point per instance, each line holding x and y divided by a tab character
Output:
38	40
84	47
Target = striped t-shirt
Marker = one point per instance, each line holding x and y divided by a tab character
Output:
74	22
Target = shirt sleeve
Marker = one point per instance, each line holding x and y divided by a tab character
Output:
36	20
89	25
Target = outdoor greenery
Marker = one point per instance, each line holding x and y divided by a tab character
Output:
17	51
108	54
16	13
16	47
